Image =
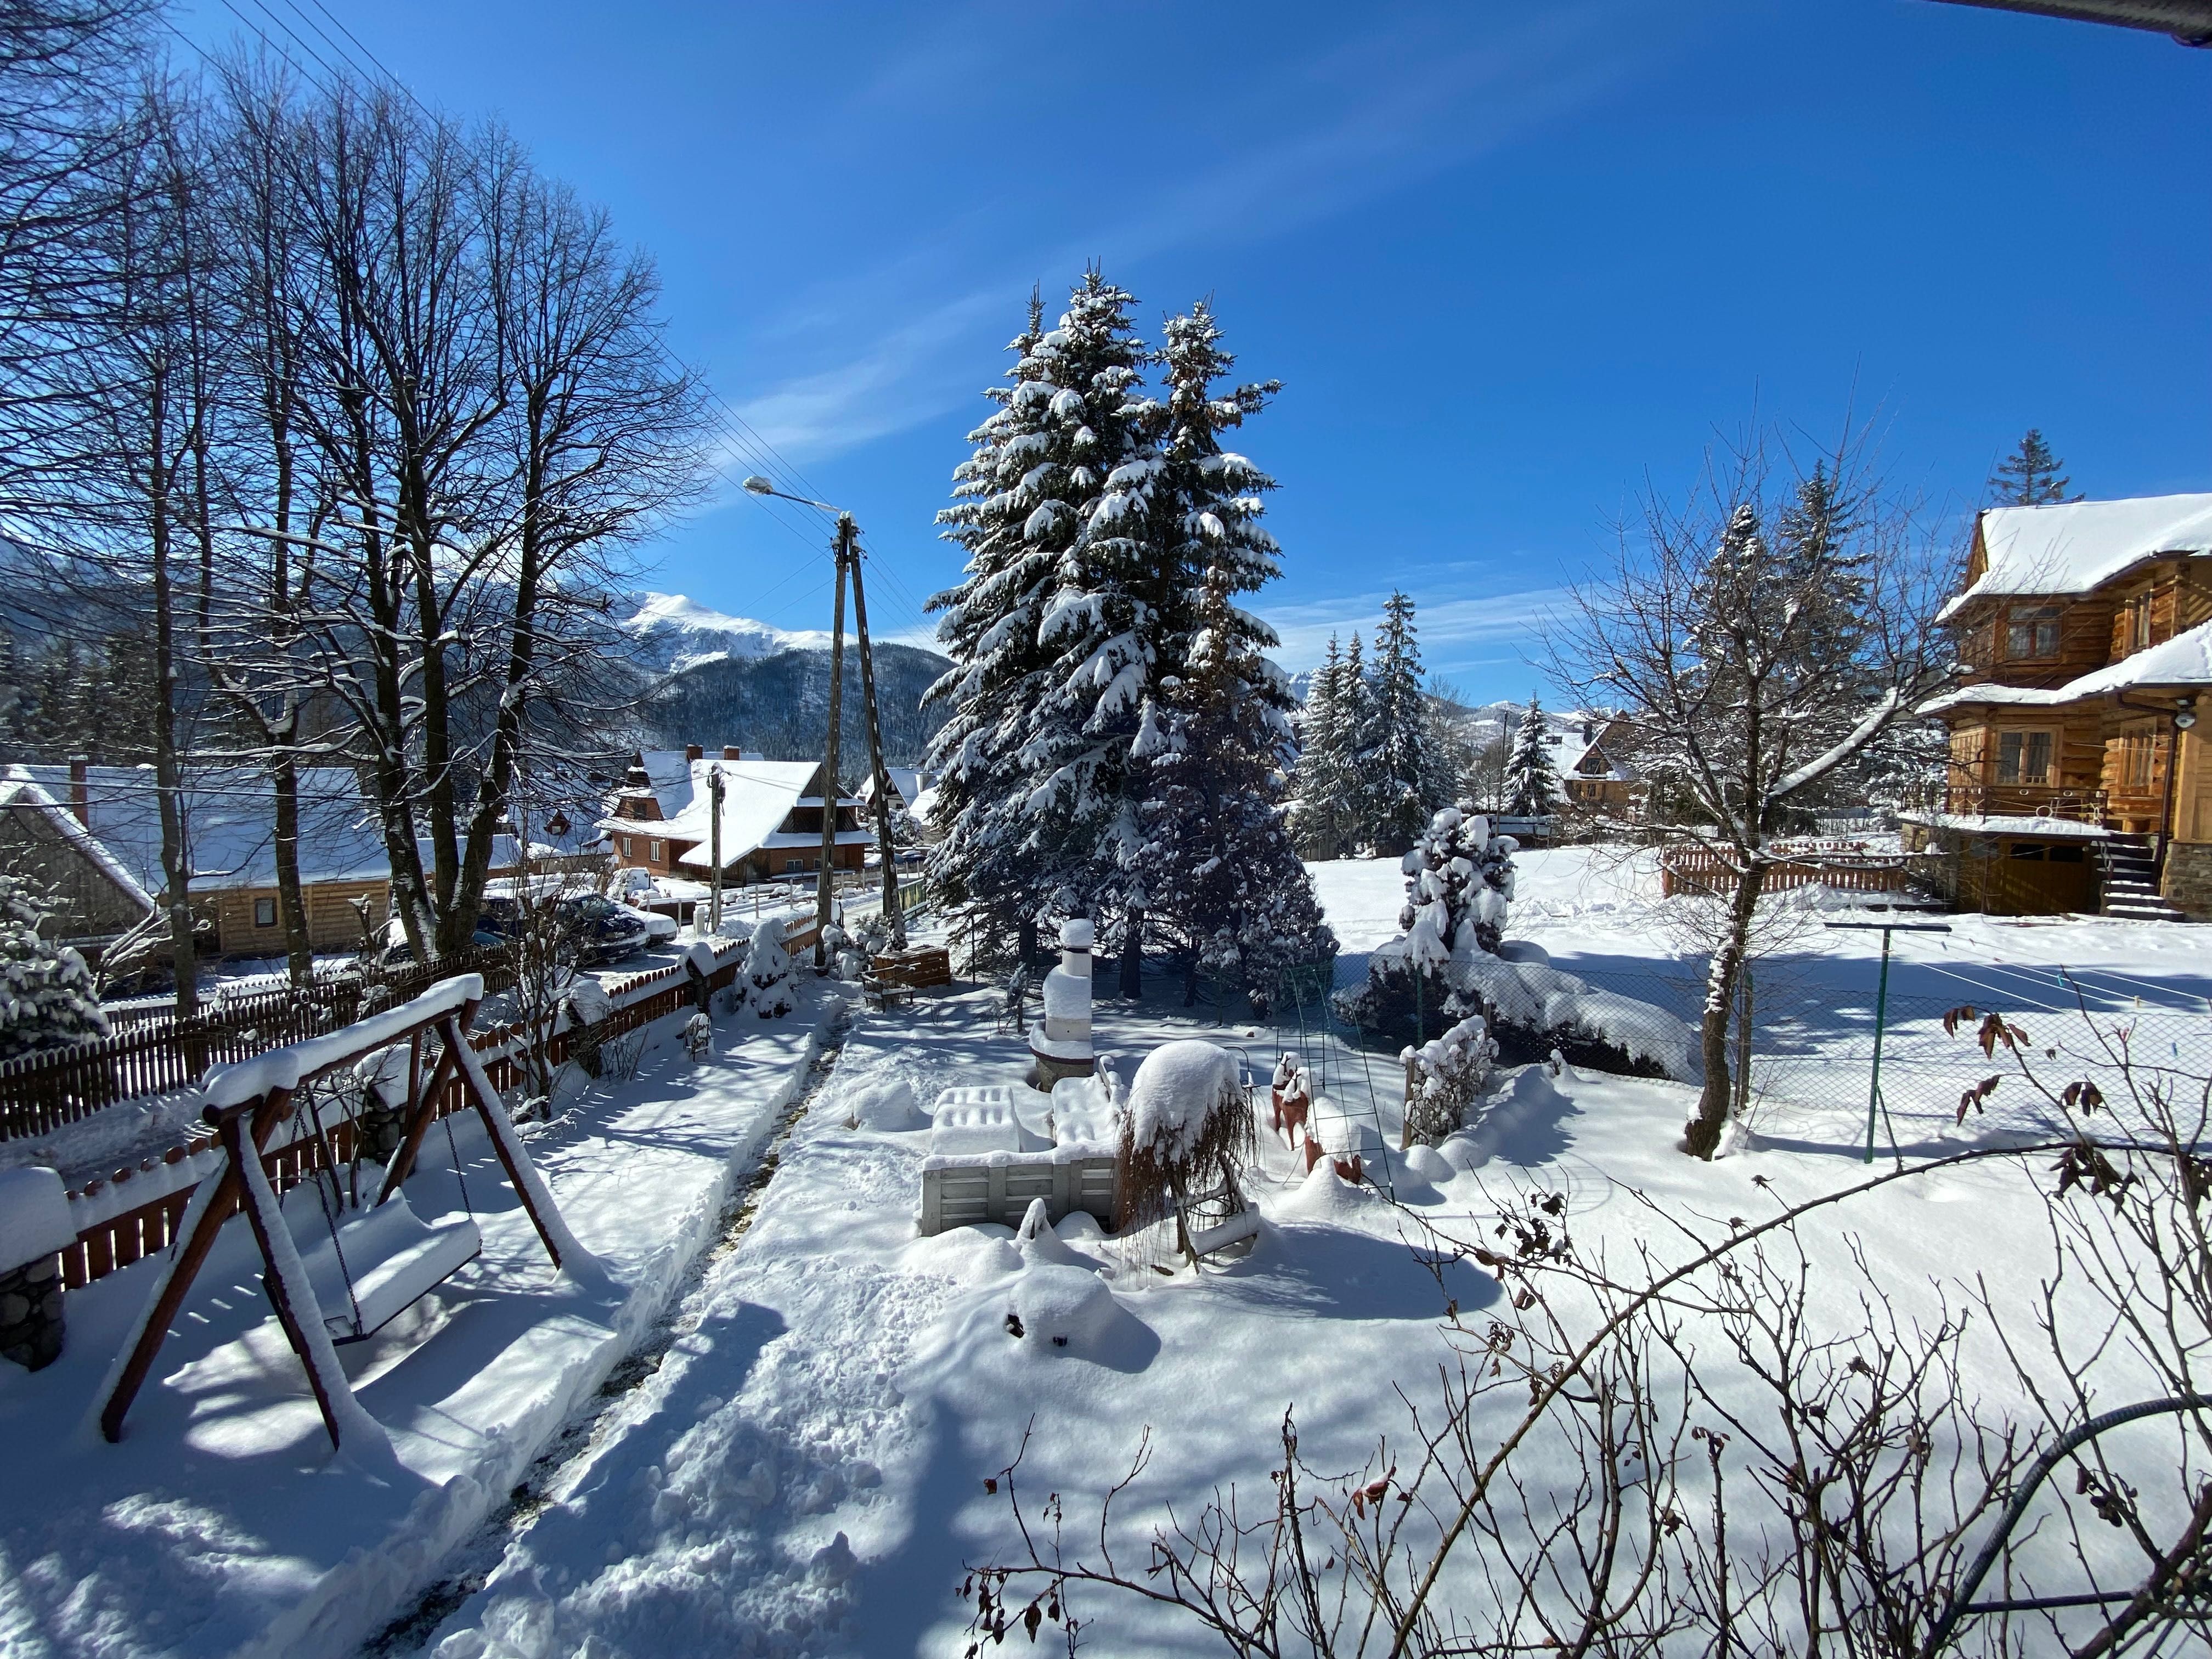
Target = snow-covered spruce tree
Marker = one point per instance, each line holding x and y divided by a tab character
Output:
2031	476
1532	778
1399	767
1354	757
47	998
1215	859
767	972
1326	820
1459	886
985	860
1115	614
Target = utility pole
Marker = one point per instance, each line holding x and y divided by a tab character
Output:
822	886
883	782
715	851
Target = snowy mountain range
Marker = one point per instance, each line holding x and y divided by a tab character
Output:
672	634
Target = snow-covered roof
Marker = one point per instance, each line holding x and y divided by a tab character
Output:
1968	697
906	780
2184	659
2075	547
230	818
756	796
20	791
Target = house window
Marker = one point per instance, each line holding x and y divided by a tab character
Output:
2024	757
792	866
2032	633
264	913
2138	752
2139	624
625	847
655	855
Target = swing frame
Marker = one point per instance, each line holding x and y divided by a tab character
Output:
242	1130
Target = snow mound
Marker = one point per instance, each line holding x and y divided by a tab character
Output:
1326	1196
1176	1092
1038	1243
34	1217
1426	1164
1052	1307
967	1255
884	1105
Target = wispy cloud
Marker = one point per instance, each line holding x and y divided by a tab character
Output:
1333	130
1449	628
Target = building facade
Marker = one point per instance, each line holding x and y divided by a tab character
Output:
2077	776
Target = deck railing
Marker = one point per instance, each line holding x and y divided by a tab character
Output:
1841	866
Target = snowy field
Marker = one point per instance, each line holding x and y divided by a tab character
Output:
800	1468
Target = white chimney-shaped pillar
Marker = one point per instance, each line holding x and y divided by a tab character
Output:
1061	1043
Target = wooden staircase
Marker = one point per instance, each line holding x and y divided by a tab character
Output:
2131	881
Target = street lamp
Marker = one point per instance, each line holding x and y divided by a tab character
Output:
847	553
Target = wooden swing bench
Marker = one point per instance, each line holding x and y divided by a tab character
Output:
370	1268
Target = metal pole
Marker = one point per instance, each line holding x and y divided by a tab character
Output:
1881	1018
824	882
714	852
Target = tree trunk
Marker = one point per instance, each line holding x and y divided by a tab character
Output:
1132	957
291	901
1703	1133
1189	978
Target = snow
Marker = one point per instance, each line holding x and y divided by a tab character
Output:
34	1217
245	1536
2009	823
673	633
2075	547
2184	659
1179	1087
231	812
976	1121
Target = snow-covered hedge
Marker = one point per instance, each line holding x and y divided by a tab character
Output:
1443	1077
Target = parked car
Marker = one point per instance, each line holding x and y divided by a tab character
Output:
602	930
397	952
658	929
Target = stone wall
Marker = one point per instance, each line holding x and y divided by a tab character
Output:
31	1313
2188	881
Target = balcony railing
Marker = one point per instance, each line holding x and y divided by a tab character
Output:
2027	800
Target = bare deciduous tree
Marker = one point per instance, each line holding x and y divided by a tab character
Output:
1765	642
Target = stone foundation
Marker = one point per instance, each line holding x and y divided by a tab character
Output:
31	1313
2188	883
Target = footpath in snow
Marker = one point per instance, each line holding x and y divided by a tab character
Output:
222	1524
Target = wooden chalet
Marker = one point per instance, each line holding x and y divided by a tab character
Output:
92	835
2078	775
1591	764
659	821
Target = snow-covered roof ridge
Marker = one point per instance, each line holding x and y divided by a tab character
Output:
758	795
2075	547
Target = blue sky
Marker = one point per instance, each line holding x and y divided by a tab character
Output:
1511	262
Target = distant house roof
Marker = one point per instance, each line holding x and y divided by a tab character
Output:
230	822
2076	547
20	791
906	780
756	796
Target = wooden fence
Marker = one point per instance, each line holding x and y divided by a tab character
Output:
1845	869
135	1233
41	1091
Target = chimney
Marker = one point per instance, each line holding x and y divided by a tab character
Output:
730	751
693	751
80	791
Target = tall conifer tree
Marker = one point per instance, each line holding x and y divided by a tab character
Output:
1402	771
2031	476
1532	777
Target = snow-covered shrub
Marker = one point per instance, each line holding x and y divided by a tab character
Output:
1459	881
1443	1077
767	973
618	1057
47	998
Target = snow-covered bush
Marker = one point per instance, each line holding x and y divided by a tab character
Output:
1459	881
46	995
1443	1077
767	973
